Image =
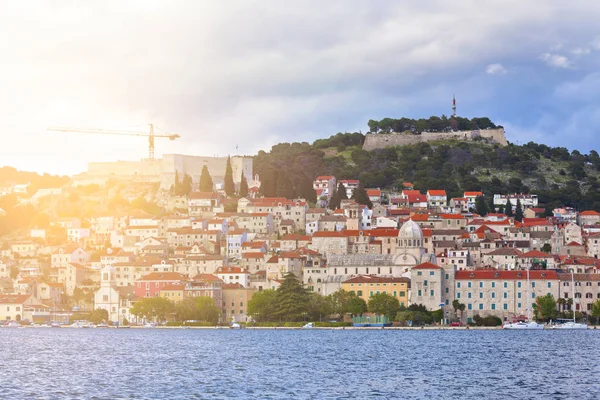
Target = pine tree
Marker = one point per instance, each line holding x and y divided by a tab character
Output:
284	186
175	188
519	211
508	208
186	185
360	196
306	190
481	206
229	185
292	298
243	186
206	182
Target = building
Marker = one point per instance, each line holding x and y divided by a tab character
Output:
527	200
235	302
150	285
503	293
436	198
427	285
365	286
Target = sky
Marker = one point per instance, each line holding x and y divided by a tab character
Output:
237	77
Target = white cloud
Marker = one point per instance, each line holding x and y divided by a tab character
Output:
495	69
556	60
580	51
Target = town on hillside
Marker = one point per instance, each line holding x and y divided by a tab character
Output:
466	258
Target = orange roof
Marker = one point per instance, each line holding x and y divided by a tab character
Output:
472	194
574	244
420	217
162	276
427	265
436	192
534	254
207	278
589	213
373	192
451	216
254	255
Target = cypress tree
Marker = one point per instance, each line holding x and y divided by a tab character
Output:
175	187
284	186
243	186
519	211
186	186
508	208
481	206
206	182
341	191
333	200
360	196
492	206
229	186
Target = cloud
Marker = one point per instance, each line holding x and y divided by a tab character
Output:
556	60
253	73
495	69
596	43
580	51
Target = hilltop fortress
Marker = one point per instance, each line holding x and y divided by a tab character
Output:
163	170
381	141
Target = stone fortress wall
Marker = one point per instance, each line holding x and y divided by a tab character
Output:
381	141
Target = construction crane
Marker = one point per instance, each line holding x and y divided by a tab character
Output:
151	135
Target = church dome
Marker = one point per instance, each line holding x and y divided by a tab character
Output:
410	231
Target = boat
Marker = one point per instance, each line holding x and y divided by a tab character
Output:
571	324
235	325
13	324
310	325
525	324
150	325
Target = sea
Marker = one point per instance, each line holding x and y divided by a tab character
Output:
46	363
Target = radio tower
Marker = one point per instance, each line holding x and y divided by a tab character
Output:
453	106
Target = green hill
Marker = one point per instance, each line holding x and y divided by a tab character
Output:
557	176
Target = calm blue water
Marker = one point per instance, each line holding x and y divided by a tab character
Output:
312	364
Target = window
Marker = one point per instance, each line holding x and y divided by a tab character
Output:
432	273
493	295
458	295
480	295
469	295
481	306
419	292
469	285
549	284
519	295
480	284
402	293
359	293
505	306
532	284
493	306
519	305
518	284
105	298
424	283
505	295
447	290
419	273
431	293
493	285
469	306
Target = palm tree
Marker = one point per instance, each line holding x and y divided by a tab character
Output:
461	307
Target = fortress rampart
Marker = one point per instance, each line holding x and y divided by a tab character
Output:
381	141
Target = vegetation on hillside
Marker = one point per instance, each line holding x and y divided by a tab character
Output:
432	124
557	176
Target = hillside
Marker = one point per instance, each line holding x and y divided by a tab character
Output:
558	176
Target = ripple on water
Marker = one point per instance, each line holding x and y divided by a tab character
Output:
282	364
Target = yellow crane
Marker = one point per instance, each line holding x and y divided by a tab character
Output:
151	135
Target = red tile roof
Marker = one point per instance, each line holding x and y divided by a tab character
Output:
535	254
589	212
376	279
255	255
436	192
472	194
427	265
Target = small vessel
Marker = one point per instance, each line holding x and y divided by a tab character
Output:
235	325
13	324
308	326
571	324
150	325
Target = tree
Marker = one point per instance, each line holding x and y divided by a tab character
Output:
547	248
360	196
519	211
341	192
546	307
155	308
357	306
596	310
492	206
338	302
508	208
206	182
263	305
384	304
334	202
243	187
292	299
186	185
98	316
284	186
480	206
229	186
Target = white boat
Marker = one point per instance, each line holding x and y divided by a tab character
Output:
308	326
235	325
13	324
571	324
523	325
526	324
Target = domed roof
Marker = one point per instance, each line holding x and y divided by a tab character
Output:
410	230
